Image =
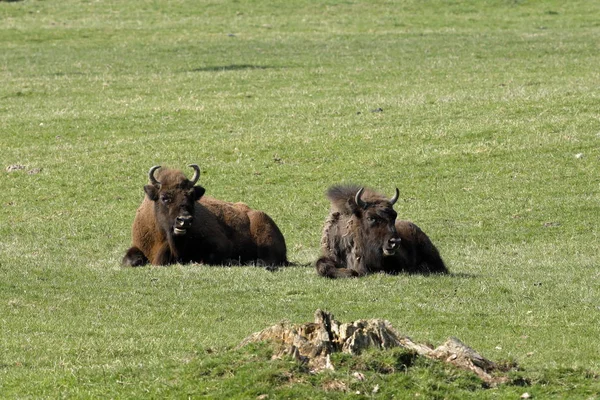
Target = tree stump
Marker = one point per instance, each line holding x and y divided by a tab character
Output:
313	343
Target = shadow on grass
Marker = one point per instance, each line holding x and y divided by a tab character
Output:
432	274
463	275
232	67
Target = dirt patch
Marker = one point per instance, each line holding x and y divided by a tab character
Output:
313	343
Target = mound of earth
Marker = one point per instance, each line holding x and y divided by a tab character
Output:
313	343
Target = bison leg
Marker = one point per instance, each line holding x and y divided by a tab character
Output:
327	267
163	256
134	258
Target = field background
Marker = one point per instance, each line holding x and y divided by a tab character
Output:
484	114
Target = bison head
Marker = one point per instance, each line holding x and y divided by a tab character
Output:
174	197
374	221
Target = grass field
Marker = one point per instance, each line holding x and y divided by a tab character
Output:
484	114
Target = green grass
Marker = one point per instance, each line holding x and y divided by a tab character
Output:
489	128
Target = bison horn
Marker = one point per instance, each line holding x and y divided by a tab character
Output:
358	200
196	173
395	198
151	175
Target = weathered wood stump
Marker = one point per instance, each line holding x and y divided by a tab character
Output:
313	343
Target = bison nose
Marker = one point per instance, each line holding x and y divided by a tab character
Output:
184	220
394	242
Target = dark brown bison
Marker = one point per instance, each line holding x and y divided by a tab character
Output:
176	223
361	236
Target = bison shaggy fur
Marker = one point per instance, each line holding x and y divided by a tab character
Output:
362	236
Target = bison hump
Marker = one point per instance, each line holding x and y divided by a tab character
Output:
341	197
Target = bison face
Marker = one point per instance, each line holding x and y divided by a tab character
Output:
377	220
175	208
174	198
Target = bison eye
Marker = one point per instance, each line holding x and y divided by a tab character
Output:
371	220
165	199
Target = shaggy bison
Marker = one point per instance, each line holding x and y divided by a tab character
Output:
361	236
176	223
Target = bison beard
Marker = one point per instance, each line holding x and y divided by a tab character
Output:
176	223
361	236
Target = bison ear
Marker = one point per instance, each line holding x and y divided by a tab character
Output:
151	192
198	192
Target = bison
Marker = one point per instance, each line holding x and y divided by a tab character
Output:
176	223
361	236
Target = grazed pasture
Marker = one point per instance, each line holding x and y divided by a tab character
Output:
484	114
